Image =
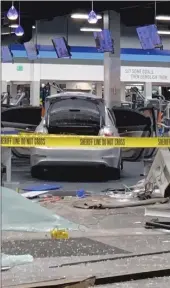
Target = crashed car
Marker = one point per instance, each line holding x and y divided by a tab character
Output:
130	123
77	113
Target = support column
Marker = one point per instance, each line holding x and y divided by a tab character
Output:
3	86
99	90
35	93
13	89
160	90
53	90
148	90
112	63
122	92
35	85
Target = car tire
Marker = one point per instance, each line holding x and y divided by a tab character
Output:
114	173
35	172
117	173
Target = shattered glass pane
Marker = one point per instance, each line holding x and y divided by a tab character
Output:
21	214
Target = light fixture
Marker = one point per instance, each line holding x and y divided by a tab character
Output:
19	31
33	27
86	29
12	13
13	26
7	33
83	16
163	17
163	32
92	17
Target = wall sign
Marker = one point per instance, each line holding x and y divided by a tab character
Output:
20	68
145	74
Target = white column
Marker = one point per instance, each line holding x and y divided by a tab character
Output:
35	85
122	91
112	63
99	90
148	90
3	86
35	93
53	90
160	90
13	89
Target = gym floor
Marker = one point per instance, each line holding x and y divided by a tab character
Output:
109	235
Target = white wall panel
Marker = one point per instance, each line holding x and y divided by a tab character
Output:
16	72
82	73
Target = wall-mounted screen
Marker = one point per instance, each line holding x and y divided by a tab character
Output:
61	47
104	41
149	37
31	50
6	54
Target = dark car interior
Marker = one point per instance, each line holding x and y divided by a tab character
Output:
131	123
75	116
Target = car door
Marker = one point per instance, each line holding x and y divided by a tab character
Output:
24	119
131	123
151	112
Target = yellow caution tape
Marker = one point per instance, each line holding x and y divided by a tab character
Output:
39	140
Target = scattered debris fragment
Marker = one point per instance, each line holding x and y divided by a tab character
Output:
101	204
13	260
59	234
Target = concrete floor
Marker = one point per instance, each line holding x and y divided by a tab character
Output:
109	234
91	181
149	283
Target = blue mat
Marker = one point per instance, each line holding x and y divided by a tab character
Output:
42	187
13	132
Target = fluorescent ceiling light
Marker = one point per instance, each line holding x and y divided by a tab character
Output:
84	29
7	33
164	32
163	18
13	26
83	16
136	84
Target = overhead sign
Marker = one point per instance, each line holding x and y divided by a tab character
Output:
145	74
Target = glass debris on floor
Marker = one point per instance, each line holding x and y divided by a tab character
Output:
13	260
25	215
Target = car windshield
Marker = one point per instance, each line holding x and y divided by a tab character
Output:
75	116
72	110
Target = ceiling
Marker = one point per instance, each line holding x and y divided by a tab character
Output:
133	13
